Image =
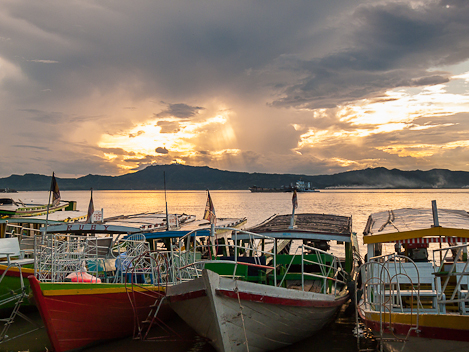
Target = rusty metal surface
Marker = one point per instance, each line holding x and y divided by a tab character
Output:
317	223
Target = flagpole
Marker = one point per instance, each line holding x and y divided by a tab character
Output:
166	202
209	214
89	215
91	200
292	220
212	237
48	204
294	206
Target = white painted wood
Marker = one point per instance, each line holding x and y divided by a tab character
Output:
231	323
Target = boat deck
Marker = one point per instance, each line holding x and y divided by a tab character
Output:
317	223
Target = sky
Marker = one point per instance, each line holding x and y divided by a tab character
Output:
305	87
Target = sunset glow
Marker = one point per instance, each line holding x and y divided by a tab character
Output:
340	87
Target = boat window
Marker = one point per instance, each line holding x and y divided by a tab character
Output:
322	245
419	254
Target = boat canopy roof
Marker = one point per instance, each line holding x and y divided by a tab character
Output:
77	228
408	223
323	227
174	234
56	217
198	227
151	225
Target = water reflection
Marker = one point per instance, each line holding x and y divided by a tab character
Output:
176	336
259	206
256	207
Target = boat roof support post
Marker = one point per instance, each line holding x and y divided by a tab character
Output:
348	257
195	249
436	223
275	261
172	256
212	239
236	246
302	268
371	250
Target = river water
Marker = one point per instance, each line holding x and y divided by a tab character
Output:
256	207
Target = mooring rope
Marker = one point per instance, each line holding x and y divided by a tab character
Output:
242	317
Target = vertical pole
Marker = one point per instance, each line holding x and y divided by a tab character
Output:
436	223
47	211
292	220
275	261
212	240
166	203
294	205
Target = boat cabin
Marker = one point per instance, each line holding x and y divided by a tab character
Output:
303	255
418	259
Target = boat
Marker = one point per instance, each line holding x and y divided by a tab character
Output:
256	292
26	229
130	285
8	190
302	186
10	207
256	189
32	224
151	221
78	314
299	186
415	282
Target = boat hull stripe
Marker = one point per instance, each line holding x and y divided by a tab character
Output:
444	327
188	296
245	296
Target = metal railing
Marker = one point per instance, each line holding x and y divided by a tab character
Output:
381	280
59	255
258	253
453	265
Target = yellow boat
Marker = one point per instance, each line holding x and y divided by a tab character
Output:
415	282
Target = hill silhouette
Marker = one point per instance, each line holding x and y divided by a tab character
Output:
182	177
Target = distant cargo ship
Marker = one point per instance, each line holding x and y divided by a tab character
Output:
300	186
8	190
266	189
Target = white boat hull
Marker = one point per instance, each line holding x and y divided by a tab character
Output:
419	344
236	314
435	333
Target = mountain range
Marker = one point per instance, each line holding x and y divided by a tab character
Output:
182	177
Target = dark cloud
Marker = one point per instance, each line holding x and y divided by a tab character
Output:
147	160
31	147
182	111
161	150
139	133
46	117
79	162
117	151
391	45
168	126
75	75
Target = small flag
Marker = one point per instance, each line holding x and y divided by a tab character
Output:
294	199
54	188
89	216
209	213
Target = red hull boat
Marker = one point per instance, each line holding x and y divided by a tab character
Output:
77	315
